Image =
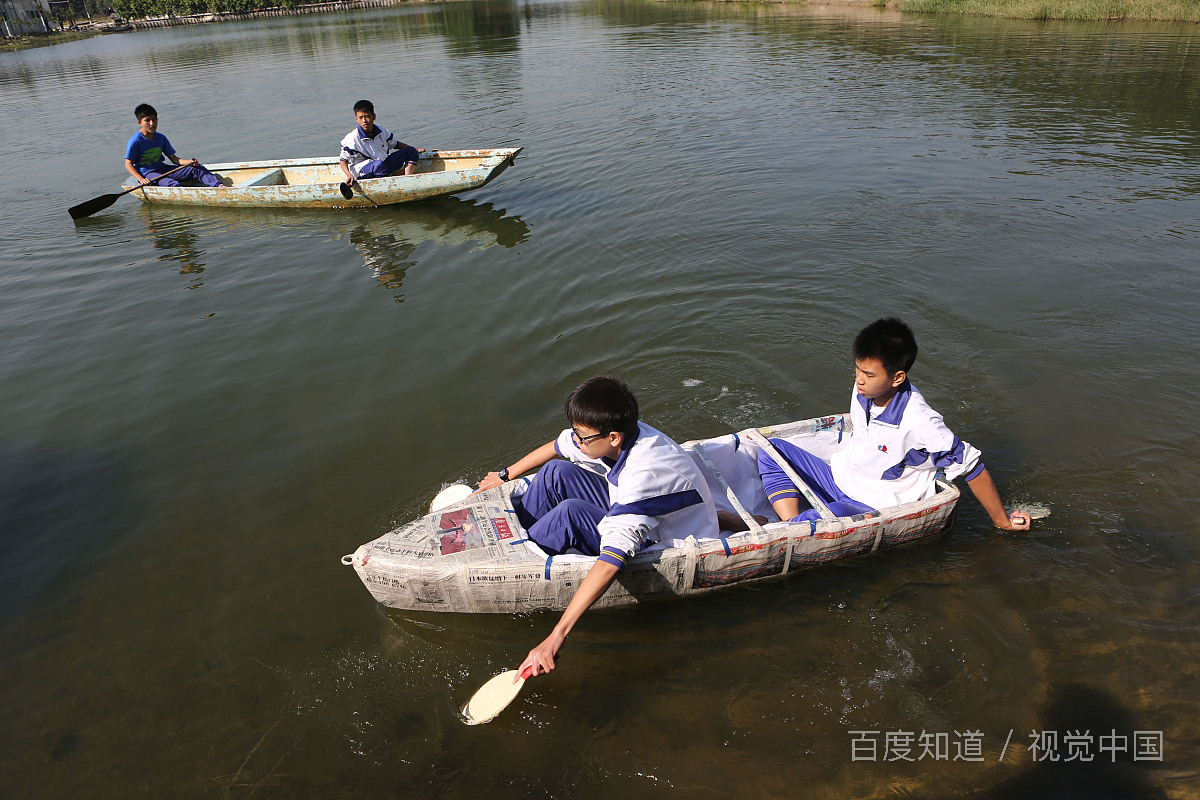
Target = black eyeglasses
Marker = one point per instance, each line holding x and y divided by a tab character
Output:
581	440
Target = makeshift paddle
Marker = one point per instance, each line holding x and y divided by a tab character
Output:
494	696
450	495
105	200
346	191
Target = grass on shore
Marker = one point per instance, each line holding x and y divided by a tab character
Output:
1128	10
43	39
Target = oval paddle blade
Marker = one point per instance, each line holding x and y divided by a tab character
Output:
492	698
450	495
1033	510
346	191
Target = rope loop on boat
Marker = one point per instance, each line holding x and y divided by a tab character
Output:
348	560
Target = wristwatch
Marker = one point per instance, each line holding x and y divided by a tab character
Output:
503	474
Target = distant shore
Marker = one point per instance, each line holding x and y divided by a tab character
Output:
1180	11
27	41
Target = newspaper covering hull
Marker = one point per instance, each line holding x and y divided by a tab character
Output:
473	557
313	182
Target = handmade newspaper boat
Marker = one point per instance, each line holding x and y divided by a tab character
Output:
474	557
315	182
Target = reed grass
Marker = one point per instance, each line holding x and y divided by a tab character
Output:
1128	10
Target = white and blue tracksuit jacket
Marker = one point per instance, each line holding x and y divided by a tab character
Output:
656	492
893	456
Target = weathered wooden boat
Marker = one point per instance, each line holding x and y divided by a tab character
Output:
474	557
315	182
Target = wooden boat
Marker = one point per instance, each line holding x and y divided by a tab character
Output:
314	182
474	557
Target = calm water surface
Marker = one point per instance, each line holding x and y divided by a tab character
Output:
201	411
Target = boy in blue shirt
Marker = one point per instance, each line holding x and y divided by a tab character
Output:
371	151
146	149
895	450
621	485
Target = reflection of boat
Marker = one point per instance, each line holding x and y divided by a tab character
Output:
451	221
473	556
314	182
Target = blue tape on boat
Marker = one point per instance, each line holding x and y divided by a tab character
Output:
841	427
547	573
812	530
725	544
737	442
519	541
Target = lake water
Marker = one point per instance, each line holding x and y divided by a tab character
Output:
202	411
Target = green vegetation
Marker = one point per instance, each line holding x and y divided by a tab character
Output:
42	39
137	9
1131	10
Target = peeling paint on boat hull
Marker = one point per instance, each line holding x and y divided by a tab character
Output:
313	182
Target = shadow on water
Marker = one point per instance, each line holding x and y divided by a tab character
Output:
59	514
1084	710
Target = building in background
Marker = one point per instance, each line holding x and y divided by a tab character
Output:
24	16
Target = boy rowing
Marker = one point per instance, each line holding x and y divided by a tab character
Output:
608	486
146	150
897	446
372	151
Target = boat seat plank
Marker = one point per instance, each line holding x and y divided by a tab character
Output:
272	177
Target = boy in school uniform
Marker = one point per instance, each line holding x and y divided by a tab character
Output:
146	150
895	450
621	485
371	151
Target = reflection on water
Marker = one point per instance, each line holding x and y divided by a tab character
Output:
386	238
176	238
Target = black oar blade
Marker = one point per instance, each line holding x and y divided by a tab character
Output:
346	191
92	206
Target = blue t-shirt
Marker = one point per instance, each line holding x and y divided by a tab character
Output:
146	153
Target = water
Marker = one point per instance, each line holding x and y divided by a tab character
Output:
202	411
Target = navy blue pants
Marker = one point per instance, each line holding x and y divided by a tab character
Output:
394	162
563	507
815	472
186	174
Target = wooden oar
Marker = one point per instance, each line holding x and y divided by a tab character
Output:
105	200
494	696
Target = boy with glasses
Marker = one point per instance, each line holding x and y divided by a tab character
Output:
621	485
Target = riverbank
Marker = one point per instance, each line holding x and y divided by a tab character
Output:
1114	10
1081	10
42	39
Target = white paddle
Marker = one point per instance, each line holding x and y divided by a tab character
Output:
494	696
1031	510
450	495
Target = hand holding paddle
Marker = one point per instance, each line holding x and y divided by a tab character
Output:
105	200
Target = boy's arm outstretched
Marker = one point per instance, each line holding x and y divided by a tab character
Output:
985	491
594	585
533	460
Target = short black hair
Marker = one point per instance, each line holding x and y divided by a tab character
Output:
364	105
888	341
144	110
605	404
